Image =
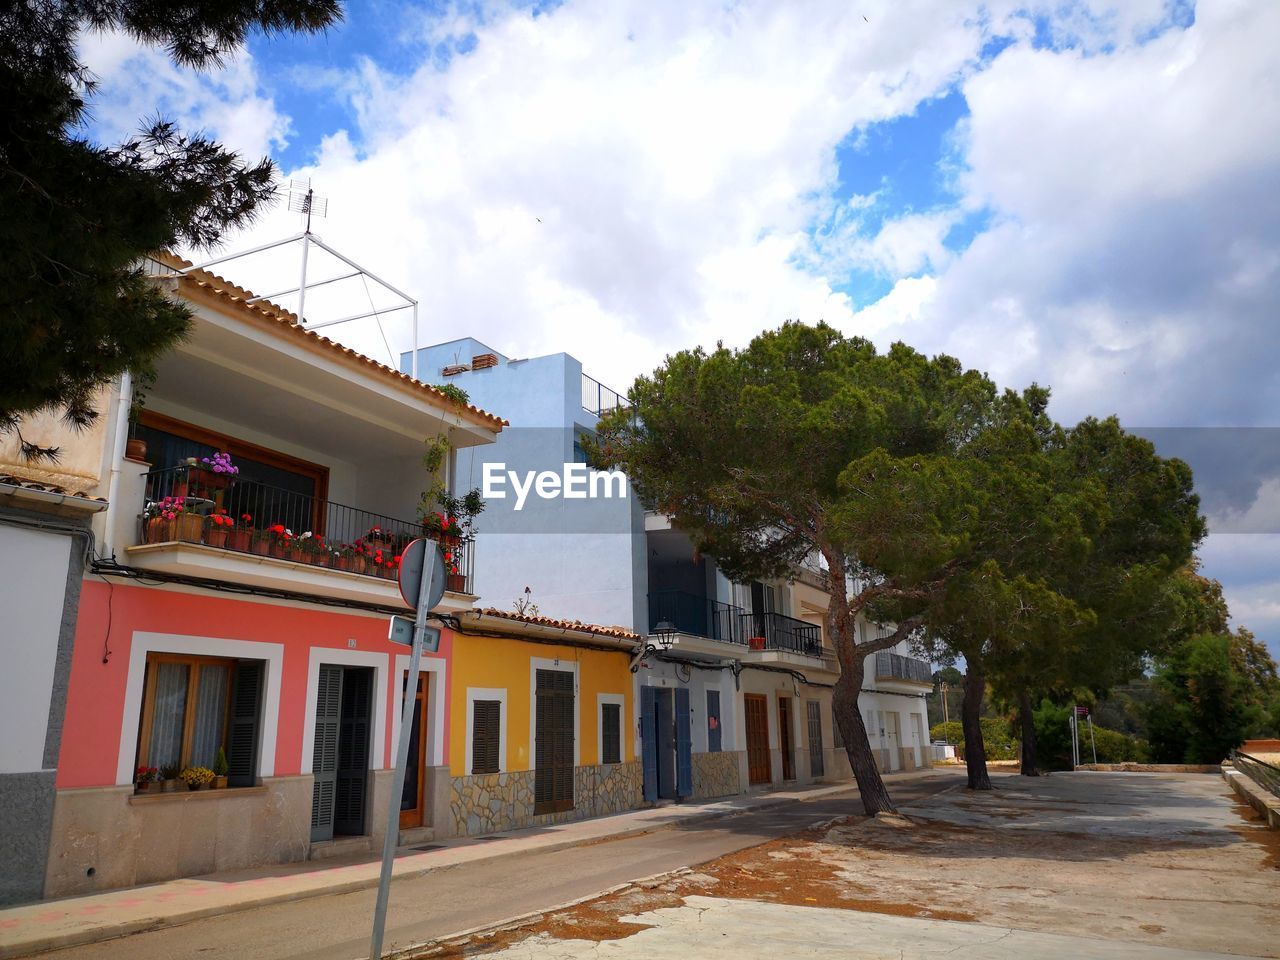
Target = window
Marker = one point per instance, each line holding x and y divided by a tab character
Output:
713	721
486	733
611	733
194	706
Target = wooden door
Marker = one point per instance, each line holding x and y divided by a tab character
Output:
757	710
553	742
893	739
411	807
785	739
817	767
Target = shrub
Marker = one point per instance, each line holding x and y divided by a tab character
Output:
999	742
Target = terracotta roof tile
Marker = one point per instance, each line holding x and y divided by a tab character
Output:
10	480
618	632
229	291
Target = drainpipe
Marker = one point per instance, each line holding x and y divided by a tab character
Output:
123	402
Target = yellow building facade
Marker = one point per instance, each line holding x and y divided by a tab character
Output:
542	723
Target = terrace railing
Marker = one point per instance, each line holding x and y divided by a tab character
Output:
599	399
894	666
1265	775
776	631
195	505
696	615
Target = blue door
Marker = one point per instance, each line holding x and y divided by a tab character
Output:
649	742
684	745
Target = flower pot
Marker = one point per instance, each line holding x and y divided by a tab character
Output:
136	449
209	480
320	559
756	643
169	786
181	489
189	527
456	583
193	786
159	530
277	550
295	554
261	547
220	783
449	540
216	536
238	539
358	564
143	786
342	563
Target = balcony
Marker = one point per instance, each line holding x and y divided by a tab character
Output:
775	631
700	616
208	524
696	615
893	666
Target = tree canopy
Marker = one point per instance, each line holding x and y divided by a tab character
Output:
78	216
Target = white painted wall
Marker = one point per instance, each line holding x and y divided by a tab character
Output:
33	569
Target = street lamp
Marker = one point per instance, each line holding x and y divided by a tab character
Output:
666	632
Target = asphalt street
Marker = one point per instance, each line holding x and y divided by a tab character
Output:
470	895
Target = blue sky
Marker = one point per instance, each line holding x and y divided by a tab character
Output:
1083	193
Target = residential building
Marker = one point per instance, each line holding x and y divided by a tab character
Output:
742	700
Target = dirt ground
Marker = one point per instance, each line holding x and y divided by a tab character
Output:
1168	860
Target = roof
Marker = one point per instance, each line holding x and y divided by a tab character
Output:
616	632
49	490
287	322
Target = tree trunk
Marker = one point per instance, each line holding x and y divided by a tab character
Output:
844	701
975	752
1027	717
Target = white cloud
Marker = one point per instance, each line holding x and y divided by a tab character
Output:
139	83
1134	258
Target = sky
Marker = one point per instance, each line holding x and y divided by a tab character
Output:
1080	194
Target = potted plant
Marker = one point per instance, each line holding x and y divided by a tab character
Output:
359	559
217	472
279	537
196	777
159	519
144	777
220	770
454	581
135	447
220	527
169	778
342	557
241	535
755	643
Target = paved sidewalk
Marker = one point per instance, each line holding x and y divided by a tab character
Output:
52	924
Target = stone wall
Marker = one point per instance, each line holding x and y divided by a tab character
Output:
106	837
495	802
715	775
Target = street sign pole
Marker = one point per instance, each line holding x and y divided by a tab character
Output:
426	586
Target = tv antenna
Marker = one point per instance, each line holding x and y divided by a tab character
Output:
303	200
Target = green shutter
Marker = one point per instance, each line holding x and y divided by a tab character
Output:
242	729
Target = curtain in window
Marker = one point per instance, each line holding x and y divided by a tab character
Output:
165	748
211	714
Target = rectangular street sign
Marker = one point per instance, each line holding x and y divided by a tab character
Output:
402	632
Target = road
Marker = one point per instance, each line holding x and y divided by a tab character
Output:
458	898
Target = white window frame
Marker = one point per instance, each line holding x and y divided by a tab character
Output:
621	701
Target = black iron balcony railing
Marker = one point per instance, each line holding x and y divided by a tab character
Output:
893	666
696	615
1264	774
195	505
776	631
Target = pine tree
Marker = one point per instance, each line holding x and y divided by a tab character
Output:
79	217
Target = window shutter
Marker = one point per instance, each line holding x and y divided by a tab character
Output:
486	722
611	732
714	732
684	744
324	757
242	736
